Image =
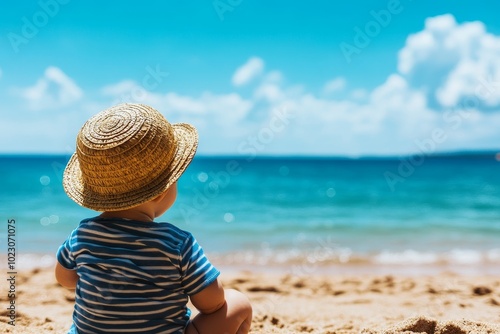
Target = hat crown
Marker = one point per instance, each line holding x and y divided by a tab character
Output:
122	147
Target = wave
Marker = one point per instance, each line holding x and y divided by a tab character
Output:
319	258
347	256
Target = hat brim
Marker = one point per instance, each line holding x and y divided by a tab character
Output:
74	185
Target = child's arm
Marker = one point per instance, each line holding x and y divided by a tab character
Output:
67	278
210	299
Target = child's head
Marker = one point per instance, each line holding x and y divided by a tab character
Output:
127	155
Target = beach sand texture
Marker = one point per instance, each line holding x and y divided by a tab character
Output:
367	304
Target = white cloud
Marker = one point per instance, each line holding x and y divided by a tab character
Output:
121	88
453	62
248	71
428	44
54	90
334	85
184	104
274	77
396	93
272	90
359	94
129	91
222	111
269	91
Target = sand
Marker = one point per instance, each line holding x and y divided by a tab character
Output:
340	304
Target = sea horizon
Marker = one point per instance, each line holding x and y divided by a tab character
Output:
478	153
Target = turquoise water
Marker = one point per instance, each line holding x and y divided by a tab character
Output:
282	211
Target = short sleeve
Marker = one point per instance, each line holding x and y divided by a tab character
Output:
197	271
65	254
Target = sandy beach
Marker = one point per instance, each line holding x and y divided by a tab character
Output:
340	304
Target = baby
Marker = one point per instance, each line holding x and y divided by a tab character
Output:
131	274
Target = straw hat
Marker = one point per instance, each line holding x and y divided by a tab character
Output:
127	155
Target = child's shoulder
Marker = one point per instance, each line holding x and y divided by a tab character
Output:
172	228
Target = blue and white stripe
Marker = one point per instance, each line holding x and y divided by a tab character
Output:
134	277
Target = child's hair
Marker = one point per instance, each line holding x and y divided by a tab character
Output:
127	155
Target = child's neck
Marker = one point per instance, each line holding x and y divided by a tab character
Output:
128	214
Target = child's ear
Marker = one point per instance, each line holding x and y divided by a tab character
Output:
160	197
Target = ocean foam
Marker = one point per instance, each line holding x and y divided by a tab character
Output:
406	257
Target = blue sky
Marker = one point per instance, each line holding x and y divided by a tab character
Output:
319	78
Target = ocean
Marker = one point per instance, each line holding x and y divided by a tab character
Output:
300	214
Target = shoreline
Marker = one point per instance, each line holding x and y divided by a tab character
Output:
30	261
311	303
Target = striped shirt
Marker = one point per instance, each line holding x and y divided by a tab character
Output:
134	277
